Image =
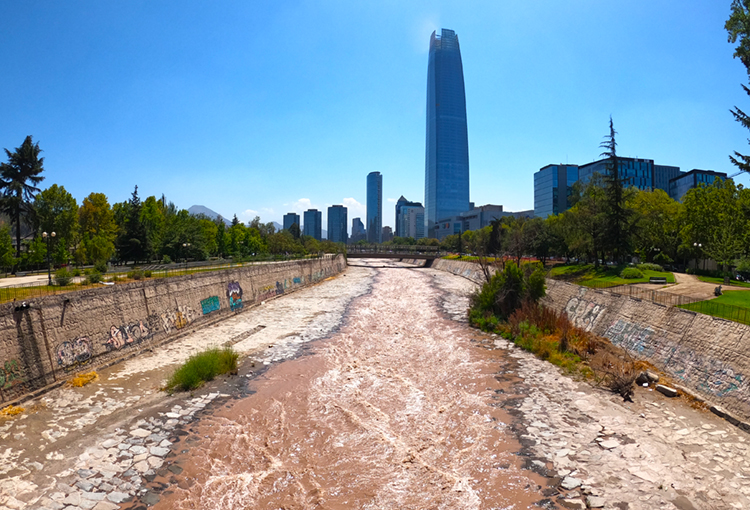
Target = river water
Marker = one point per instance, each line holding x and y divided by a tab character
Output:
399	407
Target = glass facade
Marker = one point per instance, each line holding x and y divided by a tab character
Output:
447	146
663	174
692	179
633	171
374	207
409	219
337	223
552	188
314	224
358	230
290	219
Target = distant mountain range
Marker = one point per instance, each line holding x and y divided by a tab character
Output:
202	209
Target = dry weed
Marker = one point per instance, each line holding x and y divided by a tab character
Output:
81	380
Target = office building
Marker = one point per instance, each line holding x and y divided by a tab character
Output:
663	174
409	219
553	185
680	185
387	234
337	224
290	219
314	224
476	218
447	143
374	207
358	231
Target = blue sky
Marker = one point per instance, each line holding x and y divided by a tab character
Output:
265	107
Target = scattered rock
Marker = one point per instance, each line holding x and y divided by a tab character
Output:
609	444
159	452
595	502
666	390
117	497
569	483
140	433
652	377
573	504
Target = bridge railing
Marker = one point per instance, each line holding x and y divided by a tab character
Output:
395	250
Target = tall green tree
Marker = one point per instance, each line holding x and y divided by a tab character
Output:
18	180
132	243
57	211
98	229
738	27
615	235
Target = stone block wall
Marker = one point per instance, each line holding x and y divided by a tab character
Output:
48	339
709	356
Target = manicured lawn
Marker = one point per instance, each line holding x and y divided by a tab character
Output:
604	276
720	281
733	305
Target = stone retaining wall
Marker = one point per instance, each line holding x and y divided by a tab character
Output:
46	340
709	356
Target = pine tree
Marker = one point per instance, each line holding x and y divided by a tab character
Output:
738	26
616	236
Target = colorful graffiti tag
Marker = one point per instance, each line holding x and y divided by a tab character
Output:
127	335
234	294
74	352
583	313
177	319
266	292
709	375
11	375
210	304
297	280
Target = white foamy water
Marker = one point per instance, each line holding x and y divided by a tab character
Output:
392	411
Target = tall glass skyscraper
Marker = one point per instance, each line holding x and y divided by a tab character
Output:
447	149
337	224
374	207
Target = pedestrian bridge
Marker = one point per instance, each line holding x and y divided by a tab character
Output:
394	252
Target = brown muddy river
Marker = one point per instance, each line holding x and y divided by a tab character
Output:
398	408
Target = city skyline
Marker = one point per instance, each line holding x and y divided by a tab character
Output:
175	101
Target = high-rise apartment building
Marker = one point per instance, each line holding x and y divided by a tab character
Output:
337	223
314	224
374	207
290	219
447	146
409	219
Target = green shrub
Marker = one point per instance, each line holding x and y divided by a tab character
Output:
93	277
101	266
203	367
663	258
76	272
631	273
147	273
166	259
507	290
63	277
650	267
135	274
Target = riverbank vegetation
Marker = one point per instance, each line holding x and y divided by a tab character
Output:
508	304
203	367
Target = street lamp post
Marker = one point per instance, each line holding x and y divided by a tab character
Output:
49	267
185	246
698	246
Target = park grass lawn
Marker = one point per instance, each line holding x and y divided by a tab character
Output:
733	305
603	276
720	281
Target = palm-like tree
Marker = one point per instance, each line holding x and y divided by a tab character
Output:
18	178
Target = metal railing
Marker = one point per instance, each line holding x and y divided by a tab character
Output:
706	307
395	249
129	274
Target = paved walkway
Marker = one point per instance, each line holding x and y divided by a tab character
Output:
689	285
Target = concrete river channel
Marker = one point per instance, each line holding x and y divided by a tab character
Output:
368	390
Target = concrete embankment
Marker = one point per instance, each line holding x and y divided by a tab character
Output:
43	341
709	356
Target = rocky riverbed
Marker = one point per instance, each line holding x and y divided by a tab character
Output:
400	404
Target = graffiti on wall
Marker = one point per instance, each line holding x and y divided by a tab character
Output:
266	292
127	335
708	374
279	288
177	319
210	304
74	352
583	313
297	280
234	295
11	375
